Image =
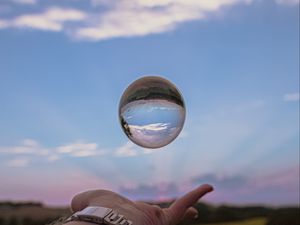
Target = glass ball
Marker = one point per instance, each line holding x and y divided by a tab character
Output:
152	112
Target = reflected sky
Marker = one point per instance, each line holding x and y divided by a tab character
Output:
152	123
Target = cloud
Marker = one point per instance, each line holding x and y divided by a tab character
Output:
53	157
150	127
53	19
221	182
18	162
153	135
27	147
80	149
267	189
129	21
114	19
158	192
31	148
126	150
288	2
286	179
228	188
129	150
3	24
143	17
43	185
292	97
26	2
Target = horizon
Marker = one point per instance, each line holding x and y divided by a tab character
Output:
64	67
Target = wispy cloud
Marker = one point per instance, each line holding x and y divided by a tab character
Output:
229	188
291	97
29	149
18	162
103	20
53	19
3	24
40	185
286	179
158	192
25	2
126	150
130	150
80	149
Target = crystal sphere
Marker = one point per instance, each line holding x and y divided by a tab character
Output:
152	112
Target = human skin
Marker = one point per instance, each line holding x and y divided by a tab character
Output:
180	212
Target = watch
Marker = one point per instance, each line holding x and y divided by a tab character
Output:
99	215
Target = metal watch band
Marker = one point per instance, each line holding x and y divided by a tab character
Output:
99	215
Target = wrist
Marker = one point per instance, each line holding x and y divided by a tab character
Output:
99	215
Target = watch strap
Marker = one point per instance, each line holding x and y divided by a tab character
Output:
99	215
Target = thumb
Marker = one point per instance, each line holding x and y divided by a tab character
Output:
190	215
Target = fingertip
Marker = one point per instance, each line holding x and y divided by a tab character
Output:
210	188
207	187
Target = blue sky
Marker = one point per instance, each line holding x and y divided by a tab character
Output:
65	64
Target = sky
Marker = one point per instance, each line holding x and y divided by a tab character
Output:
64	65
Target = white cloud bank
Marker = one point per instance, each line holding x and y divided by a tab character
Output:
121	18
144	17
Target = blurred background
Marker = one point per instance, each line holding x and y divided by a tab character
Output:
64	65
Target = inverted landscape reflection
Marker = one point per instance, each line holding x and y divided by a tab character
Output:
152	123
152	112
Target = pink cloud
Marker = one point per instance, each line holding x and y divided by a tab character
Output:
52	187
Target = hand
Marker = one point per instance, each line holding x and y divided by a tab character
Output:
141	213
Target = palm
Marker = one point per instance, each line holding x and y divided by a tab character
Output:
141	213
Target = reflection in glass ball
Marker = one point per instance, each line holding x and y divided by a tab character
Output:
152	112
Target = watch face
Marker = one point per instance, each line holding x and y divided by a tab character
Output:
94	212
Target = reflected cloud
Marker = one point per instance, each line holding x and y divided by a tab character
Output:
150	127
291	97
152	123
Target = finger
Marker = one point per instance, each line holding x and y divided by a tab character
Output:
190	214
179	207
